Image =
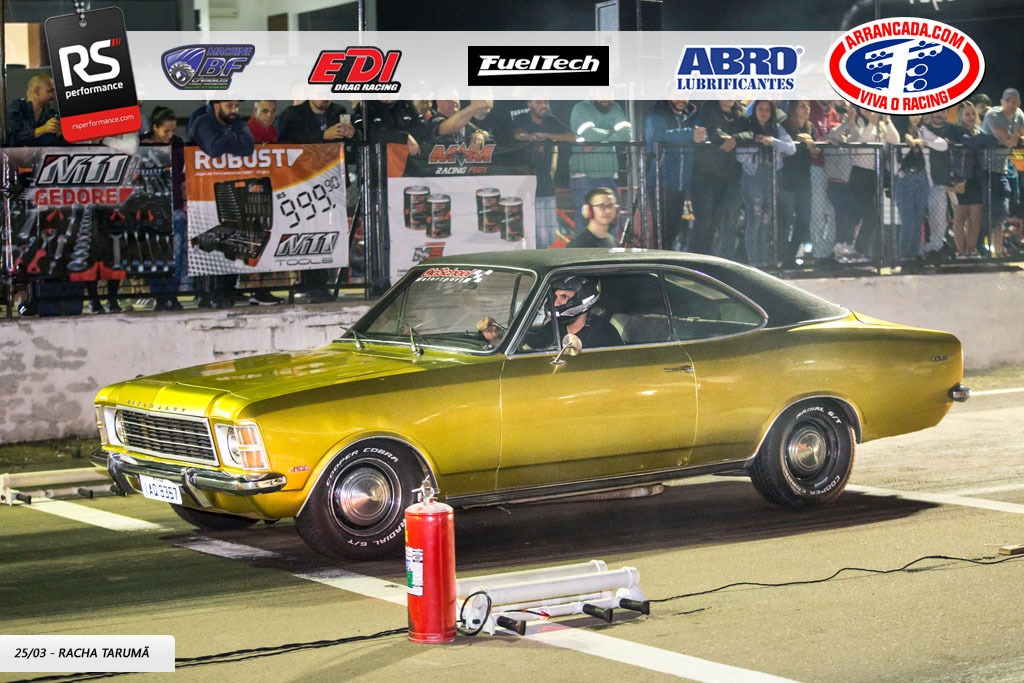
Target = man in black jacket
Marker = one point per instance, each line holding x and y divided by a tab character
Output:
716	181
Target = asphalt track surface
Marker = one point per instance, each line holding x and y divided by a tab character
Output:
900	580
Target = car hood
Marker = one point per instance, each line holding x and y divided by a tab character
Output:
223	387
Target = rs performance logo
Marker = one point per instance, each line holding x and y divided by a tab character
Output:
904	66
751	68
565	65
357	69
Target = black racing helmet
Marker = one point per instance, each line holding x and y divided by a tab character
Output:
586	295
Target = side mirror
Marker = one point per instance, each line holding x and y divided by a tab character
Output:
571	346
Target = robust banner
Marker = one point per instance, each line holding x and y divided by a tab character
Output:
281	208
89	212
432	217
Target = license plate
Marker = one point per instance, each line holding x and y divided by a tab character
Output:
159	489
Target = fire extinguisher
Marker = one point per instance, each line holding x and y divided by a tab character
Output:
430	569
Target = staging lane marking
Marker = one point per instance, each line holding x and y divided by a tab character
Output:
547	633
941	499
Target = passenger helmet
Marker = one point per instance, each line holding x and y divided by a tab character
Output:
586	295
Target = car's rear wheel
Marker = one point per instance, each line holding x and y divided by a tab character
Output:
212	521
357	510
807	457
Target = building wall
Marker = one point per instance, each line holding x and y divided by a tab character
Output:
52	367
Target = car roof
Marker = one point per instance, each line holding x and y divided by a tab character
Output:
784	303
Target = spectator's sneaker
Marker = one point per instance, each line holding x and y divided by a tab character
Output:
174	305
204	302
263	297
96	307
842	250
113	306
161	305
222	302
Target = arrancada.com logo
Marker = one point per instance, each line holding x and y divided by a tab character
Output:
904	66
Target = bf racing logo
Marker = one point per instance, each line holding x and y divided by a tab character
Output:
904	66
731	68
205	67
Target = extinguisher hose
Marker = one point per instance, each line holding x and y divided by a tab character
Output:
483	622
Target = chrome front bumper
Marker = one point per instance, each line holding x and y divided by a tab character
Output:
194	481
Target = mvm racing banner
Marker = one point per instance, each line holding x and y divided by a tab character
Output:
281	208
89	212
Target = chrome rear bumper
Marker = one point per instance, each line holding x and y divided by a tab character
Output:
193	480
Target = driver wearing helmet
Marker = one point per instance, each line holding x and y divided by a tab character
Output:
573	297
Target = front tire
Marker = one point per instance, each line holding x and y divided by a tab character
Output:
357	510
807	458
212	521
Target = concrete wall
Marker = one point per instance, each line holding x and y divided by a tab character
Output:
52	367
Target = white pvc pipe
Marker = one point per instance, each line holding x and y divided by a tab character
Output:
594	582
464	587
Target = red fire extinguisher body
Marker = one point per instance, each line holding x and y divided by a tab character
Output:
430	571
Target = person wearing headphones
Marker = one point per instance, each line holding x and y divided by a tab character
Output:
601	209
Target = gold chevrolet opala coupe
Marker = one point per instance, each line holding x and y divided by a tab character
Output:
526	375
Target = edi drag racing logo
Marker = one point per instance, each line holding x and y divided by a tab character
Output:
738	68
564	65
93	80
205	67
904	66
357	69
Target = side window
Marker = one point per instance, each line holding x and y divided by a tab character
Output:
635	306
702	311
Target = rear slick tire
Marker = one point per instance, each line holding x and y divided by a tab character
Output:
357	510
807	458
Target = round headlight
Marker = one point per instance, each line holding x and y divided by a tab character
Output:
231	441
119	430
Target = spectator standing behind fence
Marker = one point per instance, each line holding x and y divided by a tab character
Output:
795	186
309	122
596	122
540	130
394	123
966	173
452	124
716	180
670	126
261	123
940	173
31	120
217	131
864	127
764	145
1006	124
824	117
600	208
912	189
162	126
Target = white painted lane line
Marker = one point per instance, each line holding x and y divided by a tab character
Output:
942	499
647	657
997	392
231	551
86	515
988	489
359	584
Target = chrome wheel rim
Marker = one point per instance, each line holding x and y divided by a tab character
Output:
806	451
364	497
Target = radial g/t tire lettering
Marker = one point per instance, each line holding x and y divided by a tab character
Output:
808	456
357	510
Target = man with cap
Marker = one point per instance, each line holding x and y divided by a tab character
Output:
1006	124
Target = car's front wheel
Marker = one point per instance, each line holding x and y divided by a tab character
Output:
807	457
357	510
212	521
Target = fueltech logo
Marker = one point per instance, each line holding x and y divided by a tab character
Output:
904	66
357	69
724	67
538	65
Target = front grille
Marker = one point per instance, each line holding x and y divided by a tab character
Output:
169	436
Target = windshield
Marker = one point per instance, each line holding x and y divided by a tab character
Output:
466	308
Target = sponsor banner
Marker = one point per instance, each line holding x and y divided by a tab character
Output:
205	67
281	208
433	217
539	65
905	66
92	75
647	65
90	212
462	159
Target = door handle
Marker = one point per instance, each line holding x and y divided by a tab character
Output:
680	368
